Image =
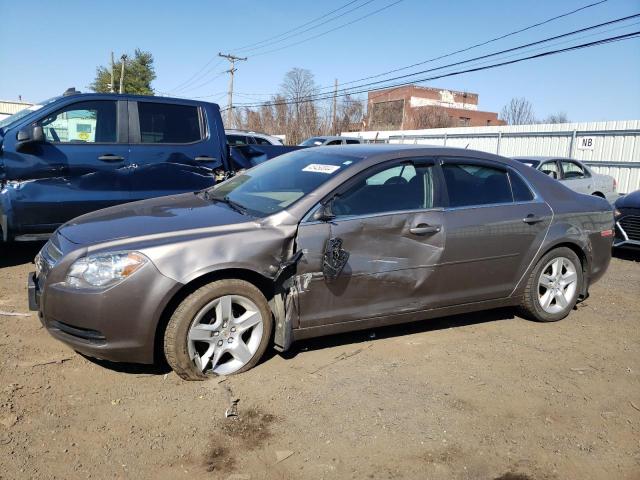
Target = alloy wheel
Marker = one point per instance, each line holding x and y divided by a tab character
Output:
557	285
225	334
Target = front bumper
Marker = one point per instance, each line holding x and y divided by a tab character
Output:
627	230
118	323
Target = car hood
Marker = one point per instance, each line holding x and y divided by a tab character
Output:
175	213
631	200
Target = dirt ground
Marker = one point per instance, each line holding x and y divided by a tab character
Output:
482	396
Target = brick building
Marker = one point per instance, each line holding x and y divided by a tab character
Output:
413	107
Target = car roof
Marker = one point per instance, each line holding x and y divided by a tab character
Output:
130	96
375	150
541	158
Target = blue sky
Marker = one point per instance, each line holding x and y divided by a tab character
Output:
49	46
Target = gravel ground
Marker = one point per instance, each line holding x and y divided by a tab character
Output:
481	396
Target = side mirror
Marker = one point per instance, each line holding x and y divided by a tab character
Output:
324	213
29	136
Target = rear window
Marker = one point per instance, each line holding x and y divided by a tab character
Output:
168	123
470	184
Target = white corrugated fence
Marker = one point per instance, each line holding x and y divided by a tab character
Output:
612	148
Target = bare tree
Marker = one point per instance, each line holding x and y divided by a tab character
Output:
518	111
560	117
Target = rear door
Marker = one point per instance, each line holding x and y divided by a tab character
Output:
495	224
172	150
82	165
389	222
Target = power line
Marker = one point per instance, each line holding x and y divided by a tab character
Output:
310	28
184	84
328	31
603	41
296	28
471	47
348	91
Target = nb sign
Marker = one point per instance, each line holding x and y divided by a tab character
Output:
586	143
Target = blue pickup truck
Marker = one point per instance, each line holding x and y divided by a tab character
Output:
78	152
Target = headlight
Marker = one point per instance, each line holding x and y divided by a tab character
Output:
104	269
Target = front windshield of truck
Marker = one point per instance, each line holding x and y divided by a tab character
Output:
5	123
313	142
276	184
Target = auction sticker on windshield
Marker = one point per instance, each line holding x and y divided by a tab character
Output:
320	168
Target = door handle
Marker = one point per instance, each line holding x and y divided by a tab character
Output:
108	157
423	229
531	219
204	158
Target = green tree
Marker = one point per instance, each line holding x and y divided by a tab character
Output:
139	72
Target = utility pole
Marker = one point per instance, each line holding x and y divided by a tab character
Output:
335	104
232	59
111	84
123	59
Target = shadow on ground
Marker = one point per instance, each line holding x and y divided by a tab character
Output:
400	330
632	254
18	253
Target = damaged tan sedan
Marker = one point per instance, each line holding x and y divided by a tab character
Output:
315	242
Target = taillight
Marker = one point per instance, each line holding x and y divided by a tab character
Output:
606	233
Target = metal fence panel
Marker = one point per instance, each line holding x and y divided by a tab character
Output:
603	145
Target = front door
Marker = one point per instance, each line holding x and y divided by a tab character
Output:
82	166
171	151
390	224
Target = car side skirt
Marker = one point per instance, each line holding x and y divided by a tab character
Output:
376	322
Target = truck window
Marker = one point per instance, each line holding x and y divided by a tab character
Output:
168	123
82	122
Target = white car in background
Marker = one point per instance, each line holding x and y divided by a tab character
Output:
575	175
330	140
245	137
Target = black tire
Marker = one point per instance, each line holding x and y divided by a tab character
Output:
176	333
530	306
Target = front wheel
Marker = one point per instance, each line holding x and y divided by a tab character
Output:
553	287
220	329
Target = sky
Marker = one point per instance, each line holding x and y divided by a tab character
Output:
46	47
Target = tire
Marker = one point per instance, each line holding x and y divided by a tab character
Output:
548	297
227	322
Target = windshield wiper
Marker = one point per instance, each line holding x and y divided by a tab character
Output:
234	205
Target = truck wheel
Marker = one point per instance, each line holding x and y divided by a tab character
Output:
553	286
220	329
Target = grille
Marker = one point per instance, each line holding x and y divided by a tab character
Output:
631	225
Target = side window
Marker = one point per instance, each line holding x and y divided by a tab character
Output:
335	142
353	142
521	192
469	184
261	141
168	123
551	169
572	170
82	122
237	140
402	187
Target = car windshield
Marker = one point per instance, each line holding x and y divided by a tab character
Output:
313	142
529	162
276	184
6	122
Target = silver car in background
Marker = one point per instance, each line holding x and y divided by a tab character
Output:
575	175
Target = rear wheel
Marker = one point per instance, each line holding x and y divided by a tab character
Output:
220	329
553	286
